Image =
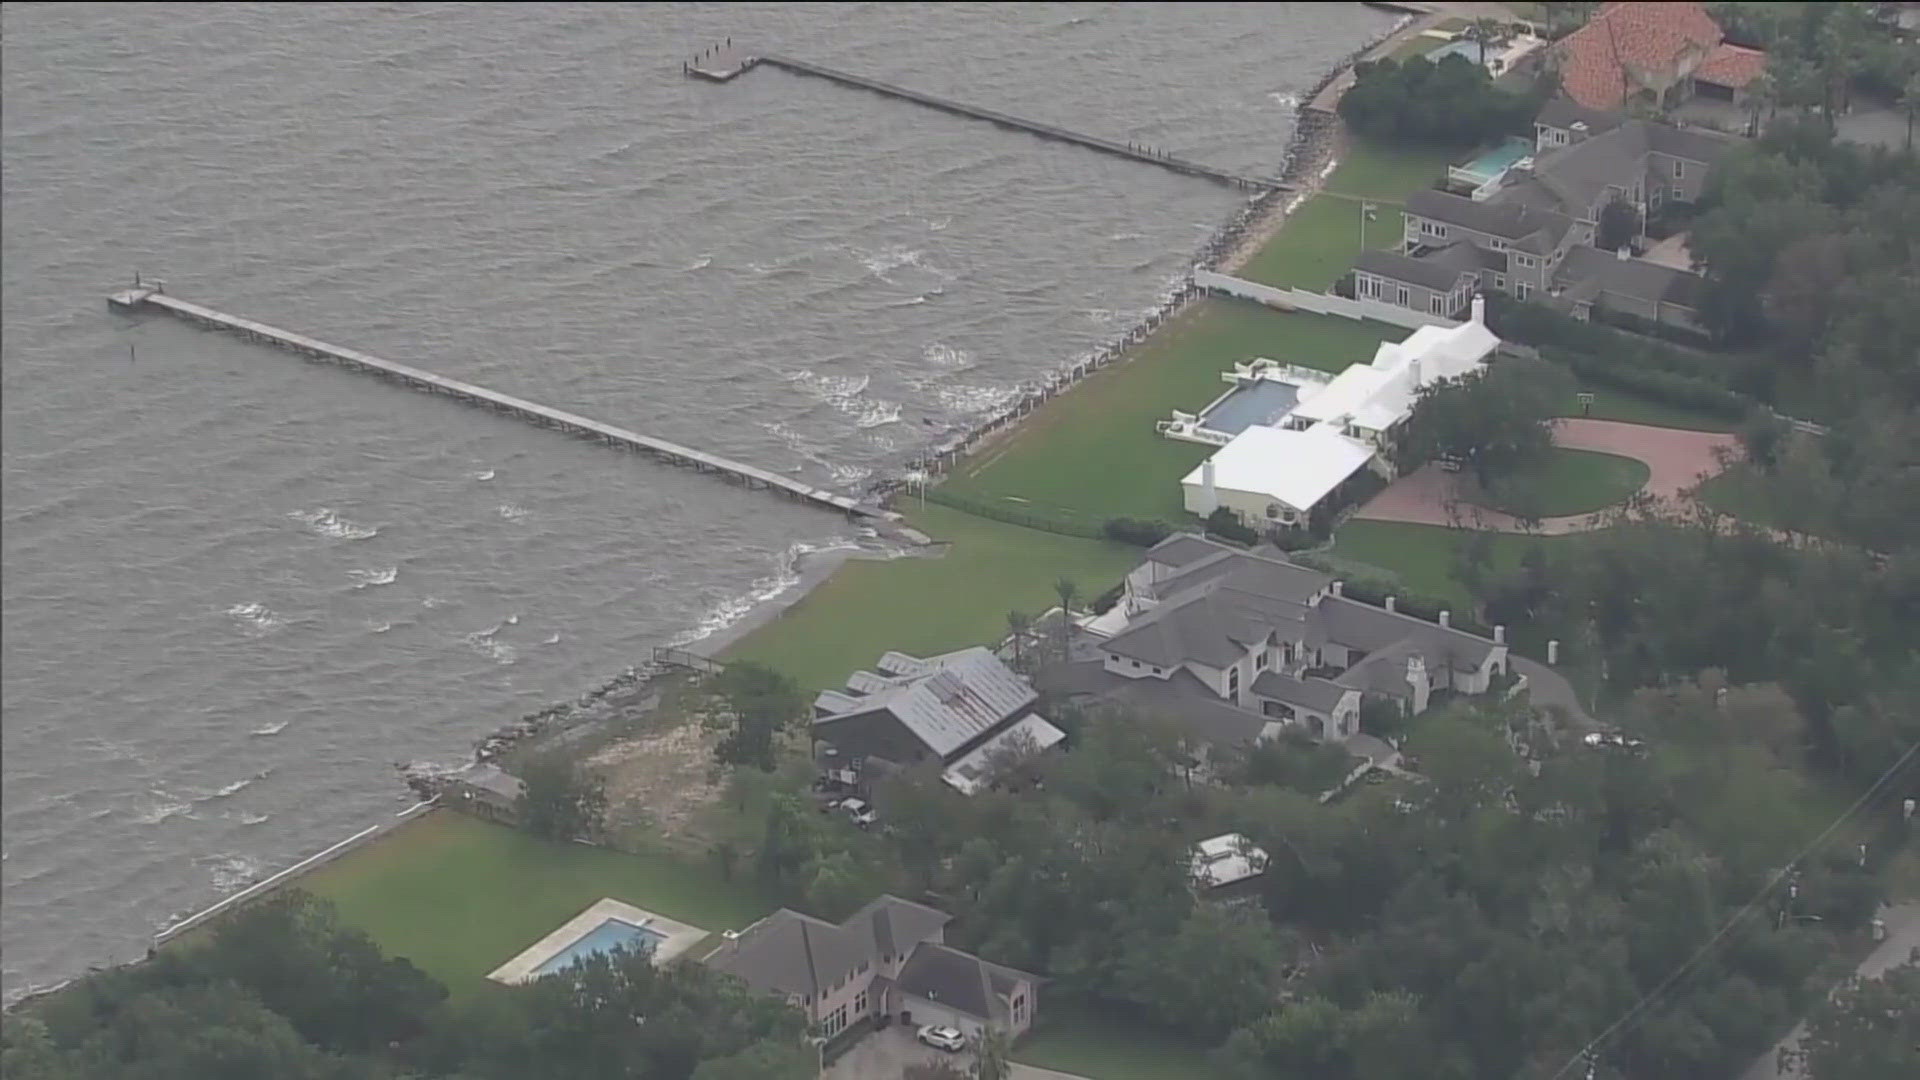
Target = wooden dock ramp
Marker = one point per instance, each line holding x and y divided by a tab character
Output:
152	298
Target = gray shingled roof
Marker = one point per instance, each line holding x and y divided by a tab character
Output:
1181	549
1218	609
1564	112
1368	629
1316	694
1440	271
959	981
1499	217
1634	278
965	696
1181	698
1694	144
791	953
894	925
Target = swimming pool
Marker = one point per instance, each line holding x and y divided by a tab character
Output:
609	935
1260	401
1461	47
1494	162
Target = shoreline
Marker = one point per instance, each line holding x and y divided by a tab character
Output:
1312	150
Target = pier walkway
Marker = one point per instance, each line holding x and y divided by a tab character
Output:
138	299
724	63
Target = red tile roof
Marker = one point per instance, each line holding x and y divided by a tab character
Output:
1595	59
1731	65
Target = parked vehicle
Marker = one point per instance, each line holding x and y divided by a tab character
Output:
858	811
941	1037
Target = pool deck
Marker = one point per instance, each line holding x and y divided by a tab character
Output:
677	938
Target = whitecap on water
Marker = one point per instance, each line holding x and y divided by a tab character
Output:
378	627
482	642
328	523
483	474
253	819
230	872
513	512
166	807
704	260
364	578
942	355
554	640
255	617
731	610
270	729
939	224
1284	99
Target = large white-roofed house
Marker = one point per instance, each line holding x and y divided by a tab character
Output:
1274	473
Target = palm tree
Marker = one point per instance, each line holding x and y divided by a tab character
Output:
1068	592
1484	32
1019	625
993	1063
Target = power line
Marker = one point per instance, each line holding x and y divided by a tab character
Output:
1700	954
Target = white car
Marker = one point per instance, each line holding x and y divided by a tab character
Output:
858	811
941	1037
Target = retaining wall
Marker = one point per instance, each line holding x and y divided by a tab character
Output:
1319	303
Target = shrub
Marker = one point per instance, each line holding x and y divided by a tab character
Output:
1105	601
1293	538
1136	531
1223	524
1451	103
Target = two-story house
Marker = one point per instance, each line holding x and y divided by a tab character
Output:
889	958
1531	234
1239	645
1646	56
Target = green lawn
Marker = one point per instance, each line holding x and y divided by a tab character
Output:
1387	173
1422	556
1582	481
1738	493
1319	244
926	605
1093	454
1074	1040
459	896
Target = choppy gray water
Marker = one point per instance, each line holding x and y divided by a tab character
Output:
238	587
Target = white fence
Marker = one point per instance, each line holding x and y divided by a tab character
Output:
1320	303
259	888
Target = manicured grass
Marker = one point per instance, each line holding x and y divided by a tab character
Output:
459	896
1582	481
1320	242
1738	493
1610	404
1093	454
1423	556
927	605
1075	1040
1372	171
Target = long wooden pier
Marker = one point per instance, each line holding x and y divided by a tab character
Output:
724	63
138	299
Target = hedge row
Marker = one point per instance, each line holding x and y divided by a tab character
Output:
1649	369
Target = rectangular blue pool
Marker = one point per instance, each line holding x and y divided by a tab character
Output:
1497	160
1259	401
609	935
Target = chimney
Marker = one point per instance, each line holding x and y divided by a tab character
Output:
1499	635
1413	369
1579	130
1209	498
1479	309
1445	616
1389	604
1337	586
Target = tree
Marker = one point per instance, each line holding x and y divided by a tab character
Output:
1486	32
1619	224
1019	626
1496	421
1868	1030
1451	103
1910	105
757	703
560	800
1212	976
1066	591
995	1062
768	1059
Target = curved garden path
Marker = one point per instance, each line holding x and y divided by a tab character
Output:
1676	460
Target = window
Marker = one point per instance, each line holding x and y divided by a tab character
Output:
1679	194
1527	261
1433	228
1273	510
1679	168
1499	244
1436	304
860	1003
835	1023
1260	660
1521	289
1136	665
1402	298
1500	281
1233	682
1019	1008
